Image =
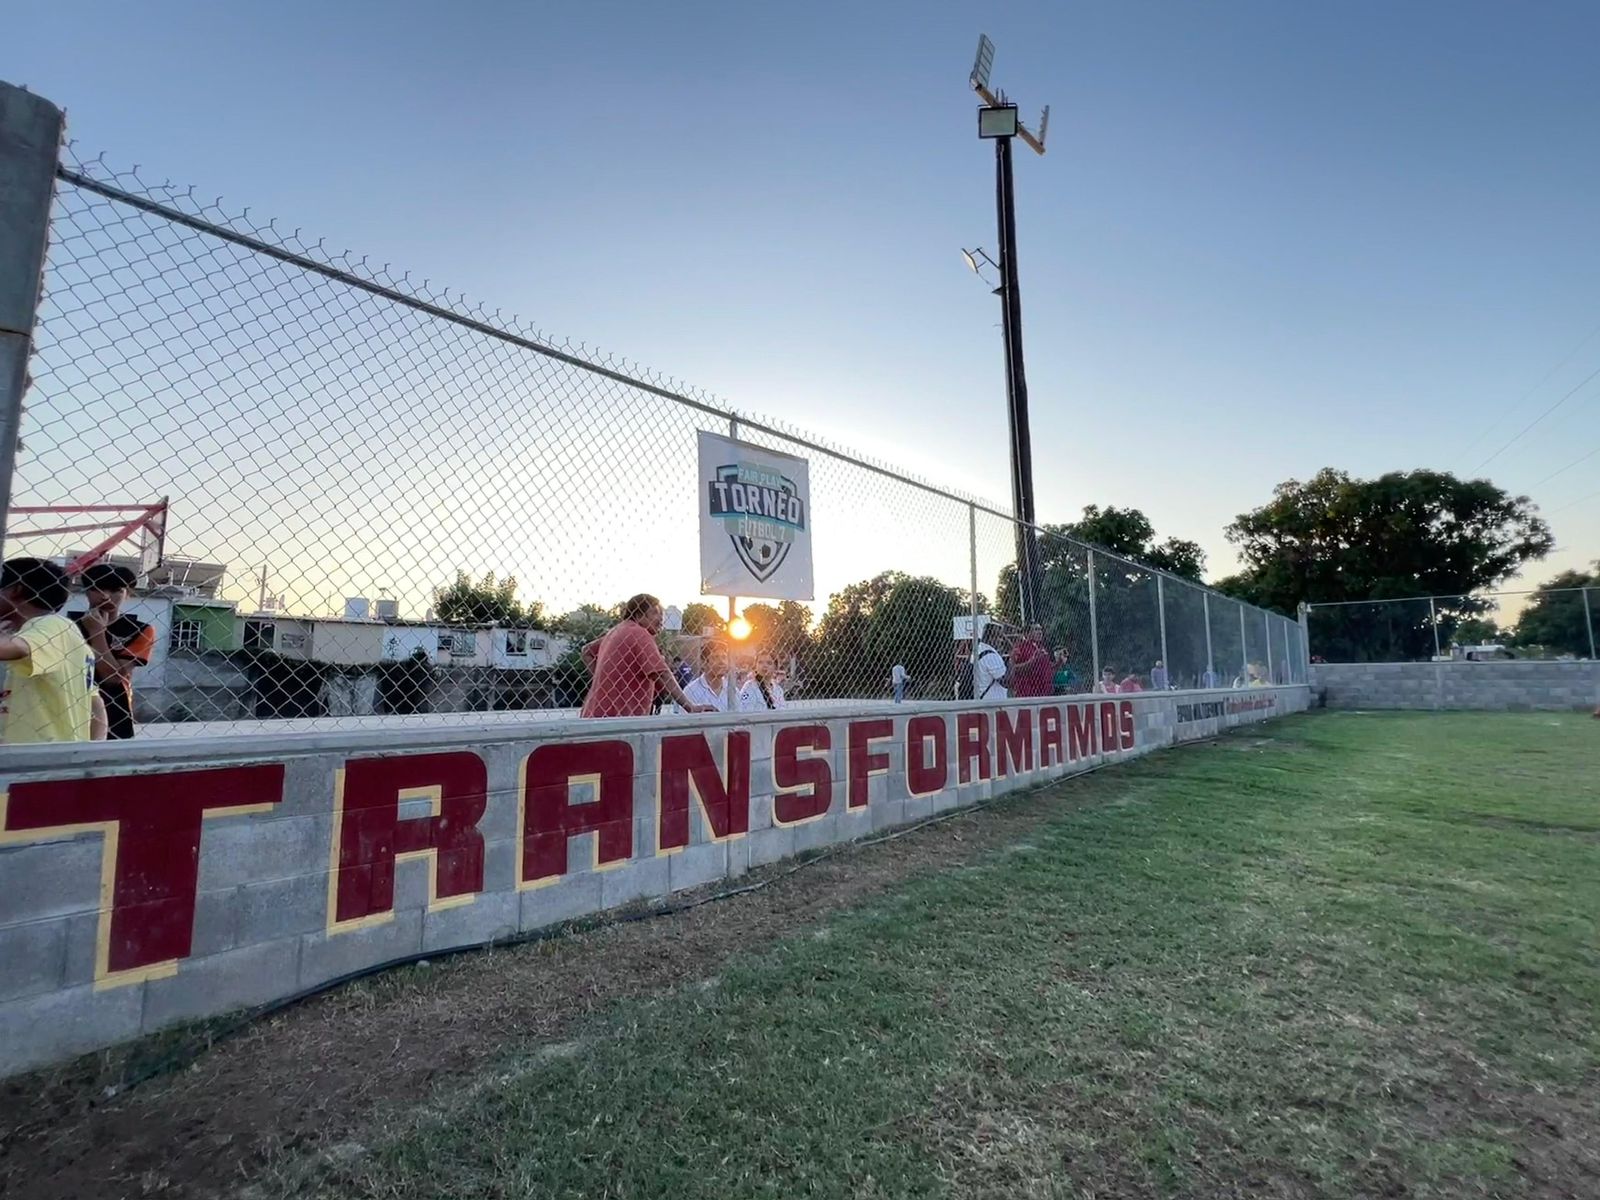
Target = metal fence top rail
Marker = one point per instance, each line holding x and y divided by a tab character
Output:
1449	596
210	219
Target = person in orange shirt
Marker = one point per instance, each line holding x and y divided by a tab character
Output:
627	669
121	643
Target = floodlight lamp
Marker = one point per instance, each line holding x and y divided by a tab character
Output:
997	121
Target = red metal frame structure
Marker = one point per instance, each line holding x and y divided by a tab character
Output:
148	518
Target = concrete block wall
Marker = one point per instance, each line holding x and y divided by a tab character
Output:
1509	686
143	884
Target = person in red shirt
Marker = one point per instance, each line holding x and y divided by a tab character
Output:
1032	673
627	669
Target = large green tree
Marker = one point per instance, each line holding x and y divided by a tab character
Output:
1557	619
485	601
892	617
1334	537
784	629
1128	620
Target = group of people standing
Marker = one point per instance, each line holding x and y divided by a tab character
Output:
66	680
629	675
1033	669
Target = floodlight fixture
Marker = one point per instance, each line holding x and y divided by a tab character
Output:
997	121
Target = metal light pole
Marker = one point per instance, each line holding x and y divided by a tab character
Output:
997	120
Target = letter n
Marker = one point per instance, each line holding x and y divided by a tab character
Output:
688	766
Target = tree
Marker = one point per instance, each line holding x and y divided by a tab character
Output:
700	619
1407	533
586	622
784	630
869	626
1556	619
486	601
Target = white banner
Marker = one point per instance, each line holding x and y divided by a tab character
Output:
755	521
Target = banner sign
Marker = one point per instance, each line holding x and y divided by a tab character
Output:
755	521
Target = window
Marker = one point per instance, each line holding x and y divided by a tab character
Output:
258	635
516	642
187	635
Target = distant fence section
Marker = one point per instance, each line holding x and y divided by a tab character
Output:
1542	623
386	502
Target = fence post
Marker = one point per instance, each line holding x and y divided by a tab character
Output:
1244	648
1305	639
1211	664
1094	623
30	143
1433	622
1266	627
1288	653
1161	608
972	553
1588	619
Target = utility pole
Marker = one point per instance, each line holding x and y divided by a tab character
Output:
998	121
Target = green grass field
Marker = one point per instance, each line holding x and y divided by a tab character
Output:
1340	955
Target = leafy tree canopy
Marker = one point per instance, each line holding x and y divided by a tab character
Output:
485	601
700	618
1556	619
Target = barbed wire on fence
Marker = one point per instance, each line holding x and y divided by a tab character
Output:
394	502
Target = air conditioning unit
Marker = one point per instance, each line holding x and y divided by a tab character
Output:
356	608
388	610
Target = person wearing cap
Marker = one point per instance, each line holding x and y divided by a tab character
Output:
49	693
121	642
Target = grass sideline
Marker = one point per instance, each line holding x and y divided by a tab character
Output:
1339	955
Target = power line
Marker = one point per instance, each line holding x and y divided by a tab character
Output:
1523	399
1579	387
1574	503
1562	471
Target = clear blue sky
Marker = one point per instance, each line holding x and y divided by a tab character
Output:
1268	237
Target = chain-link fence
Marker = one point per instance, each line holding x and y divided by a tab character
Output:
1544	623
357	499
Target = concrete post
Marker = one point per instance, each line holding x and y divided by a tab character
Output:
1588	619
1094	623
1211	663
1266	632
1244	648
30	143
1161	608
1305	639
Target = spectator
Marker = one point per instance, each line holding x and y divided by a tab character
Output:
1108	681
764	688
1209	678
49	693
681	671
627	668
989	676
708	691
898	680
120	643
1130	683
1062	678
1159	681
1030	664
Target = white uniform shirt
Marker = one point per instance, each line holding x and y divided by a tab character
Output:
698	691
751	700
988	669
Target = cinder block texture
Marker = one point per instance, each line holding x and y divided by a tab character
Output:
260	925
1510	686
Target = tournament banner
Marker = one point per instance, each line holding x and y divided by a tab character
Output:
755	521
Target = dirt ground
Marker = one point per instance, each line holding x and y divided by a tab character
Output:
314	1076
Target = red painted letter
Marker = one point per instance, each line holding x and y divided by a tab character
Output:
972	743
1109	737
864	764
549	818
1050	737
1013	751
369	834
151	826
688	764
804	785
1125	712
922	777
1080	731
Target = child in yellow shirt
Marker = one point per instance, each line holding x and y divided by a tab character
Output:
49	693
